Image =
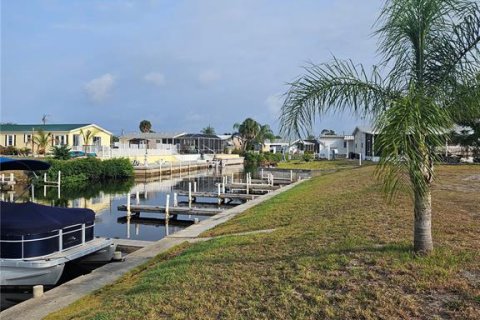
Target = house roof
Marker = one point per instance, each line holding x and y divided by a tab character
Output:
364	129
152	135
45	127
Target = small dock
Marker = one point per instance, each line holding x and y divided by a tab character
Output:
224	197
154	221
136	209
8	182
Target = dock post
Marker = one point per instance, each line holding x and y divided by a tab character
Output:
58	191
359	159
44	190
232	177
189	194
128	226
223	187
291	175
262	173
194	186
145	195
175	199
11	196
160	170
12	178
44	177
167	207
128	205
273	179
59	177
137	198
219	192
248	189
37	291
33	193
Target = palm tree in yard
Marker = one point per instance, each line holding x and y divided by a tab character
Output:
87	136
430	54
42	139
208	130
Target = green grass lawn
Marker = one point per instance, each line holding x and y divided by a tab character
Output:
339	251
319	164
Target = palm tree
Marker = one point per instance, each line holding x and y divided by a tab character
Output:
42	139
247	131
87	136
145	126
208	130
429	49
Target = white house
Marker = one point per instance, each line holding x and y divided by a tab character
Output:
335	144
363	143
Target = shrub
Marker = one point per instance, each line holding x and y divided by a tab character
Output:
10	151
61	152
308	156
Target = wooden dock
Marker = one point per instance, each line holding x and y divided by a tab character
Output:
136	209
225	197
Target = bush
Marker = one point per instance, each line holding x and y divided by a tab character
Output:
10	151
308	156
254	159
61	153
90	169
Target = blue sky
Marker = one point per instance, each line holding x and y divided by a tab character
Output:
180	64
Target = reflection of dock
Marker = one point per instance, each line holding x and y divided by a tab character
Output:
136	209
155	221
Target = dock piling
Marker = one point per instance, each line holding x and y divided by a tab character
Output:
128	205
189	194
137	198
219	192
37	291
291	175
167	207
175	199
194	186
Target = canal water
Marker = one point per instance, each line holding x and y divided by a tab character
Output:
104	199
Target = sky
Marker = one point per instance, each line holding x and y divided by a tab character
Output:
181	64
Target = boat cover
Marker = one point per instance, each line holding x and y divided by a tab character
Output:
17	219
22	164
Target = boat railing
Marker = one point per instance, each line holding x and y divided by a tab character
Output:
32	247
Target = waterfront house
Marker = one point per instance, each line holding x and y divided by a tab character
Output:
363	143
340	145
21	136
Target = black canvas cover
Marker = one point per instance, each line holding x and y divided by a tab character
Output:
22	164
17	219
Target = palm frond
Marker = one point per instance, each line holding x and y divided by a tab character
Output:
338	86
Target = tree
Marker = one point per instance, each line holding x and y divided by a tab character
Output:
430	50
145	126
208	130
251	132
61	152
42	139
87	136
328	132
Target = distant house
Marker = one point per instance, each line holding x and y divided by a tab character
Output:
150	140
340	145
277	146
186	143
21	135
363	143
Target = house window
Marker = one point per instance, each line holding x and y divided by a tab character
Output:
344	144
97	141
76	140
60	140
10	140
27	138
361	145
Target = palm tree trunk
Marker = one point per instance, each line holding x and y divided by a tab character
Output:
422	238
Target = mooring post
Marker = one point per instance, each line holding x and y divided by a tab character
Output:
232	177
33	193
59	177
291	175
137	197
44	177
128	226
12	178
189	194
359	159
167	207
248	189
160	170
128	204
137	229
272	180
194	186
58	191
175	199
145	195
219	192
37	291
3	178
262	173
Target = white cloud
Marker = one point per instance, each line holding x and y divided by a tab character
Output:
208	77
99	89
274	103
155	78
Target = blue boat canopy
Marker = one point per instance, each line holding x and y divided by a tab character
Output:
18	219
22	164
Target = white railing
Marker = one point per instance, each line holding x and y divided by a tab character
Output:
125	151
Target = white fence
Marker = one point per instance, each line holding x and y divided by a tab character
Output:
105	152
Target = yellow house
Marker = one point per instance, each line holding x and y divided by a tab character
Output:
72	135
